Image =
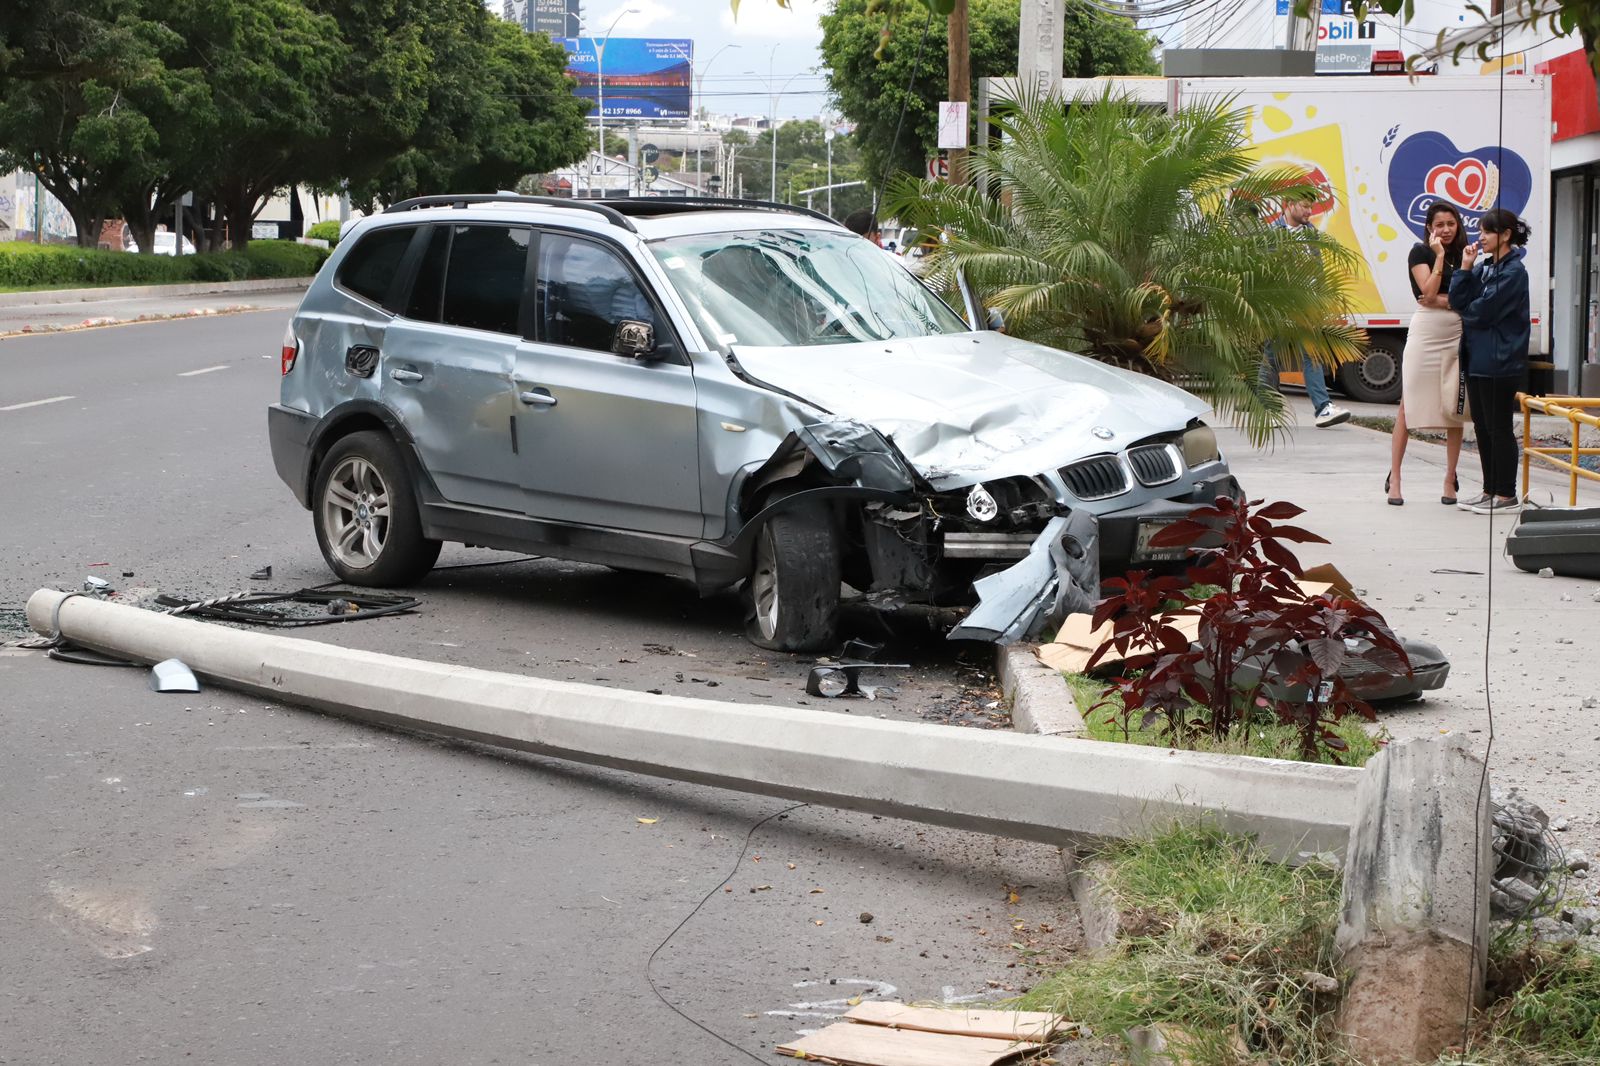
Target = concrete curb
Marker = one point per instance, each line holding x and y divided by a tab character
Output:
1027	788
1040	700
133	292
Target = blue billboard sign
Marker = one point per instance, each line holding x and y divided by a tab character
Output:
645	77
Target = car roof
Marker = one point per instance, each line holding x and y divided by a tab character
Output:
650	217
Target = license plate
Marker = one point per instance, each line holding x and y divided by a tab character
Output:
1146	531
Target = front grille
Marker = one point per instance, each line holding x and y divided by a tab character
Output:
1097	478
1154	464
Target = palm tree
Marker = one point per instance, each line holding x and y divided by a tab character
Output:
1143	239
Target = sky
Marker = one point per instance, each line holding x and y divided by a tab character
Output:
734	80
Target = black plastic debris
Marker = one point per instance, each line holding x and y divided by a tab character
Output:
264	574
285	610
1563	539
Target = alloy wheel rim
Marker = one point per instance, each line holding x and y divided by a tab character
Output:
764	585
355	513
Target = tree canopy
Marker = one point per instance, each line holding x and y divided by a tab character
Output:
121	106
871	89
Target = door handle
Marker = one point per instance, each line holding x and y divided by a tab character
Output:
405	376
537	398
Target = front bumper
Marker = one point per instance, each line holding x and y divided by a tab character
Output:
289	432
1061	572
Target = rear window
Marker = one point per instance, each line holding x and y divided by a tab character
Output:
371	265
472	276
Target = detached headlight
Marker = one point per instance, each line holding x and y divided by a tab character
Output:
981	505
1200	446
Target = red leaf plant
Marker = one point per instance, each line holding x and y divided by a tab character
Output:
1263	647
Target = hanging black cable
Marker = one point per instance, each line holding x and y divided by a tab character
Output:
911	84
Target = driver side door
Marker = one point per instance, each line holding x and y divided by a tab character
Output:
605	439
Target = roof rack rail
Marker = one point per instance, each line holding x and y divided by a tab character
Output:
612	215
666	205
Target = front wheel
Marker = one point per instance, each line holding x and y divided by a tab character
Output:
1376	378
791	597
365	513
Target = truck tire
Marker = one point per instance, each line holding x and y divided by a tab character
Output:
791	598
364	509
1376	378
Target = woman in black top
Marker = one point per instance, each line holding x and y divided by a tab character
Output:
1433	394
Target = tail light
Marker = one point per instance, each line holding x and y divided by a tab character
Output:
291	348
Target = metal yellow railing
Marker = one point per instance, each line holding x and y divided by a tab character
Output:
1566	457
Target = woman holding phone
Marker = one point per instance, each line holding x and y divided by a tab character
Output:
1491	293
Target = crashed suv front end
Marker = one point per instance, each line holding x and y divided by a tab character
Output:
959	467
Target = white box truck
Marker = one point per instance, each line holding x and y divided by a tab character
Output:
1384	147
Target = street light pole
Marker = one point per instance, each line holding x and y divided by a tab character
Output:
772	118
600	85
700	98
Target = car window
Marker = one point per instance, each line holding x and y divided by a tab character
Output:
472	276
427	291
371	264
587	290
795	288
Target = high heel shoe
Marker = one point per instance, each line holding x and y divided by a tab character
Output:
1394	501
1450	501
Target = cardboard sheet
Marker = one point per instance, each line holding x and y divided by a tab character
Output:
997	1024
875	1045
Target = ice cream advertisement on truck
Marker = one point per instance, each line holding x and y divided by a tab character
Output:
1384	149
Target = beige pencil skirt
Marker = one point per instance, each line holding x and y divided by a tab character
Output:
1430	371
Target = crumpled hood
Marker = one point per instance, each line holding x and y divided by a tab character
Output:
971	407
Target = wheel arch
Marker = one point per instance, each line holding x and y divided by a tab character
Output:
345	419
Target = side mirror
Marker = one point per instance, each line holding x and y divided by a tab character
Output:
634	339
996	320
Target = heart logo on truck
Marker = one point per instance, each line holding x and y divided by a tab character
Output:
1428	166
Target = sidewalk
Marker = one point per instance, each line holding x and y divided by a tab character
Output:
1439	574
56	309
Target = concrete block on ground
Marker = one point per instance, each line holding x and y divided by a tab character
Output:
1415	924
1041	702
1097	906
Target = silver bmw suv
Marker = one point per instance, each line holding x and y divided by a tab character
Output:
724	391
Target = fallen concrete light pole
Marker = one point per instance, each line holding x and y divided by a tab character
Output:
1026	787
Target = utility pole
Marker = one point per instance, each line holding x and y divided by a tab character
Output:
960	68
1039	46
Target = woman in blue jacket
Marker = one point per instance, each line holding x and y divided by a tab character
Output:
1492	298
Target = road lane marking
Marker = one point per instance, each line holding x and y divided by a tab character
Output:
37	403
203	370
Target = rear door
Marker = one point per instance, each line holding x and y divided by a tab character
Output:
448	360
607	440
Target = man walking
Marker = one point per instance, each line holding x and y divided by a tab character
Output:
1297	215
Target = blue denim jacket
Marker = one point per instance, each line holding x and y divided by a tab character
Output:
1496	320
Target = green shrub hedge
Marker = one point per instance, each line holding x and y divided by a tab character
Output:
26	265
325	231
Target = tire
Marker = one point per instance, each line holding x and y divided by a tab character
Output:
1376	379
365	512
791	598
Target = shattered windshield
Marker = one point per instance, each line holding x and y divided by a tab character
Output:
784	288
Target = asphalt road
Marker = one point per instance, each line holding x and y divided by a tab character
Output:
227	880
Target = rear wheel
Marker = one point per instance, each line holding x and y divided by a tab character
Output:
365	513
791	597
1376	378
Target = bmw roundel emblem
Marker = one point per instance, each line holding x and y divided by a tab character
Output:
1102	432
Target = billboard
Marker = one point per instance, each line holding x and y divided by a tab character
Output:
556	18
646	77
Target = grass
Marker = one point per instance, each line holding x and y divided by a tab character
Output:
1547	1009
1218	942
1226	950
1271	740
